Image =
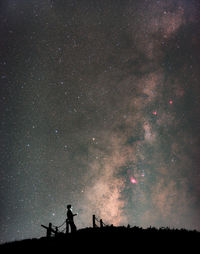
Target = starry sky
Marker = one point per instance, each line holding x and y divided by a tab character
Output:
99	108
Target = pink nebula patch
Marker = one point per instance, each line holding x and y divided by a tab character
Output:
133	180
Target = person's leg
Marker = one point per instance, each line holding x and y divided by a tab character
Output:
73	227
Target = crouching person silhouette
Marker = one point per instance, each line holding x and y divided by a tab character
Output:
70	218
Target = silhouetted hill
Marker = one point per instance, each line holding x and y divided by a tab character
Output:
110	238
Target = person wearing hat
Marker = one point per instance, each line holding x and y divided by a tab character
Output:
70	218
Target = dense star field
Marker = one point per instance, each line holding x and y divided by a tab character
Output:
100	106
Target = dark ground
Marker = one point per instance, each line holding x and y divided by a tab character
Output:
111	239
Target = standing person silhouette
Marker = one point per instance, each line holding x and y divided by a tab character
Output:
70	218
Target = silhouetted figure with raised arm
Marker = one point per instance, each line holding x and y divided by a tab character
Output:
70	218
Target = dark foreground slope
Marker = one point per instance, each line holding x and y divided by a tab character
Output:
105	239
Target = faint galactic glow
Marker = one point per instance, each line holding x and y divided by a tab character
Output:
133	180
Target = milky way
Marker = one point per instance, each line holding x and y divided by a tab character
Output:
99	108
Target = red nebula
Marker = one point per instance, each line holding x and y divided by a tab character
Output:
133	180
170	101
155	113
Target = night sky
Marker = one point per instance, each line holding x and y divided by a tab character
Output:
99	108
